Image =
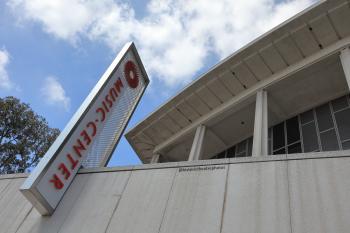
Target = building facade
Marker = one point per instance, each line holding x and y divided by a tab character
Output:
260	143
286	92
279	193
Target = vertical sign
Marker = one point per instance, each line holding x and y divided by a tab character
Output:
91	135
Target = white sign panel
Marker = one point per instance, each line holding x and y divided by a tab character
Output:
90	137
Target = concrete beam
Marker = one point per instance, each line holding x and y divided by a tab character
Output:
260	140
345	61
197	145
155	158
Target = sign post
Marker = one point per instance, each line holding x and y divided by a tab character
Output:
92	134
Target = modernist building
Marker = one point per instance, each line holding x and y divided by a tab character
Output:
260	143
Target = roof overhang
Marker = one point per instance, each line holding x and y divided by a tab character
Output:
283	58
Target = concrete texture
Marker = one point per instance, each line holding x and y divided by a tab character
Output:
143	202
197	197
257	198
319	192
301	193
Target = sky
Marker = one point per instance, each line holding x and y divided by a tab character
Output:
52	53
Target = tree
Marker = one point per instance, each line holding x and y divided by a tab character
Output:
24	136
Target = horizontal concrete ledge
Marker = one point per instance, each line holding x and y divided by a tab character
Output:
14	176
212	162
105	169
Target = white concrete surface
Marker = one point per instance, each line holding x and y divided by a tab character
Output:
319	195
35	223
13	207
155	158
196	201
3	185
143	203
257	198
101	195
197	145
300	193
260	140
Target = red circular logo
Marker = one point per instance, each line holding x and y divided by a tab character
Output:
131	74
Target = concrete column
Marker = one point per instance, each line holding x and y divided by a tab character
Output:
345	61
155	158
197	145
260	137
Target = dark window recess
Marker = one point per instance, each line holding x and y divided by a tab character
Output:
278	152
250	146
310	137
343	123
270	141
307	117
324	118
293	133
329	140
241	147
231	152
295	148
221	155
340	103
346	145
278	136
241	155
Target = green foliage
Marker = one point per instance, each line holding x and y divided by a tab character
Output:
24	136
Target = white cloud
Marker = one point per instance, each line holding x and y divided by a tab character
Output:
174	38
54	93
5	82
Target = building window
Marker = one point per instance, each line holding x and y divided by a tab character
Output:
341	109
286	137
242	149
324	128
278	139
309	132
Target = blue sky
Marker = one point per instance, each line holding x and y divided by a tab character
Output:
53	52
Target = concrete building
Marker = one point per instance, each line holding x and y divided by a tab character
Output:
260	143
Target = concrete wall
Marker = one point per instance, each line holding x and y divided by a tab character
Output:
301	193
